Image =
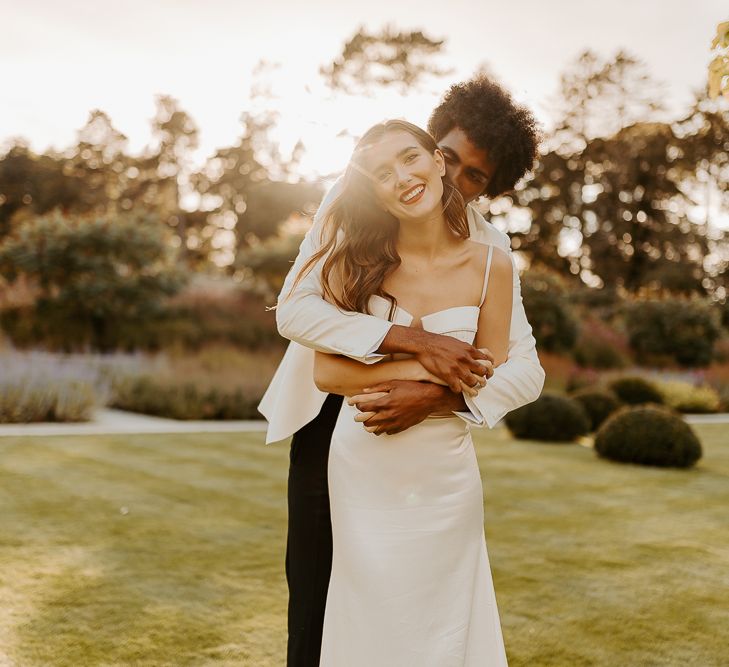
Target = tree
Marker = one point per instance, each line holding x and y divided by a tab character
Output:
614	206
597	97
32	184
370	60
239	196
92	273
98	162
617	213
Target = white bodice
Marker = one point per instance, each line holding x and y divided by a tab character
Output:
460	322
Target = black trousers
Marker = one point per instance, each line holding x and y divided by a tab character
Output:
309	543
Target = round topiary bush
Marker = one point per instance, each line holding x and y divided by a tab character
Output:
649	435
598	404
551	418
635	390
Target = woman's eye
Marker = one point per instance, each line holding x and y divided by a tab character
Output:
383	175
410	158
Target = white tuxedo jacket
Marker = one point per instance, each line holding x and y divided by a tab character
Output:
292	399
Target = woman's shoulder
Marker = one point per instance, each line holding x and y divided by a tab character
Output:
480	251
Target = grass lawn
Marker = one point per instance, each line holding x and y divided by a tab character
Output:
169	550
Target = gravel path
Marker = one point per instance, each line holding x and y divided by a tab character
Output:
108	421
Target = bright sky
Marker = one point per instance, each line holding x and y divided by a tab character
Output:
59	60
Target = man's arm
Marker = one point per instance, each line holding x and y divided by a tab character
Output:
336	374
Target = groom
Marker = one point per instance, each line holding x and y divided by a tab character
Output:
489	143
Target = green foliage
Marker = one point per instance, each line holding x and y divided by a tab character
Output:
183	400
682	330
190	320
269	204
600	346
547	307
197	318
33	185
686	397
598	404
218	381
270	260
635	390
648	435
550	418
596	353
92	274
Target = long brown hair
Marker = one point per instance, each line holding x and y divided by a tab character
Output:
361	237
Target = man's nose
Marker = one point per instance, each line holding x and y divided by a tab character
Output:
454	174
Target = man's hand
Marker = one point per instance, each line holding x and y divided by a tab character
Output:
458	364
461	366
394	406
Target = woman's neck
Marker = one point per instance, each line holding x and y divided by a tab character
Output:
426	238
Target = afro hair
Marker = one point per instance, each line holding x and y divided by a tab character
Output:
493	122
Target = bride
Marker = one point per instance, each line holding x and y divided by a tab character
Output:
411	581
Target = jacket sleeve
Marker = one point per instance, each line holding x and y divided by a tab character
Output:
305	317
520	379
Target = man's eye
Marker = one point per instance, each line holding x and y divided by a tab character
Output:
448	157
479	178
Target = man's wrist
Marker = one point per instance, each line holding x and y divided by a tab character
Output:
410	340
443	400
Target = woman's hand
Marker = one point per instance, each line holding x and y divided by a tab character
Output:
469	391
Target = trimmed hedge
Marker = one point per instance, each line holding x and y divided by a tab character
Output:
598	405
550	418
648	435
635	390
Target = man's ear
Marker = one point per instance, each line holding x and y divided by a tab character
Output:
440	161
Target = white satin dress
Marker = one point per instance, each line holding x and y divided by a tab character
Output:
411	582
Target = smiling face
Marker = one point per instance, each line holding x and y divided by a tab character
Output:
406	177
468	167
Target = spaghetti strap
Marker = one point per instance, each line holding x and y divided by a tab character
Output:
486	276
